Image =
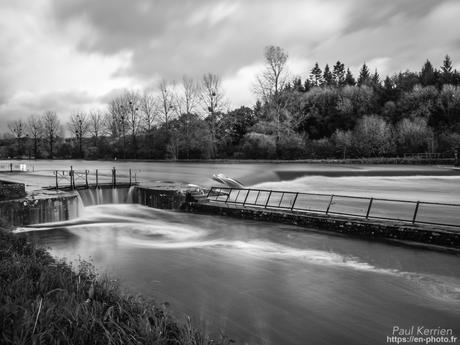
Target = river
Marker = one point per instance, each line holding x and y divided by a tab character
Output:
265	283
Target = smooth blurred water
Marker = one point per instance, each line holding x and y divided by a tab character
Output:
264	283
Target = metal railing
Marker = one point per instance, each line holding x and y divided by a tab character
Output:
414	212
73	179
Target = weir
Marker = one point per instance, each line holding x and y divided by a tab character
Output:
362	217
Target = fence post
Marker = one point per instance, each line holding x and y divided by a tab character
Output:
97	178
86	178
57	184
415	212
114	177
330	203
295	199
246	198
369	208
268	199
130	177
72	180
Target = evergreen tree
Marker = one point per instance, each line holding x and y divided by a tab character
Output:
375	78
328	79
339	74
447	65
297	85
446	68
349	79
364	75
316	75
428	74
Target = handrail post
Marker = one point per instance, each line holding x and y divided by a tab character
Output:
228	195
257	197
268	199
295	199
369	208
281	200
415	212
330	203
246	198
209	192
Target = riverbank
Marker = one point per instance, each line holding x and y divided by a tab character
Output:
371	160
44	300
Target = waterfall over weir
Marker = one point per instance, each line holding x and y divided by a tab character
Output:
99	196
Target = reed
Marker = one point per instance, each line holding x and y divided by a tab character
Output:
47	301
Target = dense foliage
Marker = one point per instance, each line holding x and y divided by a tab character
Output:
330	114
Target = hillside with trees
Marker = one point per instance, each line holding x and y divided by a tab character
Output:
329	114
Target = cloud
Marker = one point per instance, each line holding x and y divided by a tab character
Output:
76	53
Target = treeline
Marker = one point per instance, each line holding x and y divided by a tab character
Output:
329	114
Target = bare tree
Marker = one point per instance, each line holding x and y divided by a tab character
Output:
35	131
18	129
189	98
96	124
79	126
213	101
149	110
117	119
272	80
167	103
51	127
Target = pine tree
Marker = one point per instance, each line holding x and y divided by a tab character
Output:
339	74
316	75
447	65
447	76
349	79
364	75
328	79
428	74
375	79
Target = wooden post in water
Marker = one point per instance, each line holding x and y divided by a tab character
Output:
72	180
114	177
86	178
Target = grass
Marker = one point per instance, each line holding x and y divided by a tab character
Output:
46	301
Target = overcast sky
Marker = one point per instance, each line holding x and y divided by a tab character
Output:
71	55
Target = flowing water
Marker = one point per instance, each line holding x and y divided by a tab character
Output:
263	283
266	283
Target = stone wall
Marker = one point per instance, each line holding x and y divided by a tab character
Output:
10	190
402	232
170	199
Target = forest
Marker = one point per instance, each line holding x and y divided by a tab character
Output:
329	114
